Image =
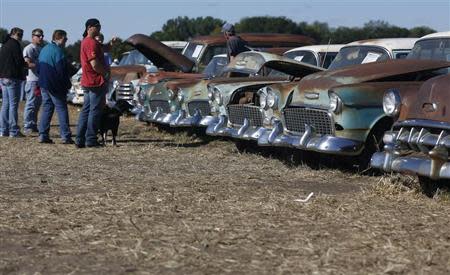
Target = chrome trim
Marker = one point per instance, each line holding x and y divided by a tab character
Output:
424	123
310	141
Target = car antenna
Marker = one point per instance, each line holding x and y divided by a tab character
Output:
326	52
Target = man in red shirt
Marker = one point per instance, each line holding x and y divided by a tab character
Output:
94	79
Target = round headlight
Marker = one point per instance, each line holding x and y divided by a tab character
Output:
210	93
217	96
170	94
272	99
391	102
180	96
116	84
335	103
263	98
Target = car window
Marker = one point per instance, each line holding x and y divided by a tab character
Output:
326	59
303	56
193	50
210	52
353	55
400	55
133	58
215	66
437	49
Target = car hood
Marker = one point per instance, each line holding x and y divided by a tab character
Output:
368	72
127	72
161	55
252	62
153	78
430	102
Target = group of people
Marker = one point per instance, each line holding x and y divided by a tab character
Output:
45	69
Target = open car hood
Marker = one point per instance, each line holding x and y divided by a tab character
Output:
161	55
252	62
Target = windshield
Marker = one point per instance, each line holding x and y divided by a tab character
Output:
192	51
354	55
303	56
215	66
133	58
437	49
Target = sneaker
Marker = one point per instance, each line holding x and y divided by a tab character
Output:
47	141
68	141
94	145
79	145
18	135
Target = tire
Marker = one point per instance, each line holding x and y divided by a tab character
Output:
429	186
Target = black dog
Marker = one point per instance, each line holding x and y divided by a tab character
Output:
111	119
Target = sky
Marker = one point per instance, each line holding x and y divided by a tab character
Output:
124	18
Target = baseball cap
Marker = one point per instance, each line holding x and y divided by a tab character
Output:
89	23
227	27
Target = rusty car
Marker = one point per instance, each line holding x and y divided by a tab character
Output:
247	107
418	142
339	111
201	50
195	98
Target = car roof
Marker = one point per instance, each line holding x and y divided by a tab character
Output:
436	35
319	48
255	37
175	44
389	44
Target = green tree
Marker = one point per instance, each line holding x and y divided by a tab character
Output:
420	31
266	24
183	28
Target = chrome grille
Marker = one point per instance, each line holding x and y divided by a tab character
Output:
237	113
124	92
163	104
296	118
202	106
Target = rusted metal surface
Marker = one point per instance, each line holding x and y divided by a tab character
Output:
161	55
383	70
153	78
255	39
123	73
431	102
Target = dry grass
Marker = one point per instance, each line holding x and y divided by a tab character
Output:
175	203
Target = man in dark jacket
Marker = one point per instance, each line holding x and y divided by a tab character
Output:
12	73
54	80
235	44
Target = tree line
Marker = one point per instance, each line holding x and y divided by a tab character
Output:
183	28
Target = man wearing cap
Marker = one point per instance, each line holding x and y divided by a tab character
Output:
12	74
32	90
94	79
235	44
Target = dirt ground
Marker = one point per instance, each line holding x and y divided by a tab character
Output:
174	203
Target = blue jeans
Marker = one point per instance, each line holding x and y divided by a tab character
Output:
90	116
10	103
32	105
50	101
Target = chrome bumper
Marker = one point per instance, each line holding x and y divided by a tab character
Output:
247	132
160	117
430	161
182	120
310	141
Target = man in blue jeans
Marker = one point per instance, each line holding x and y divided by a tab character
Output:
12	74
94	80
54	80
32	90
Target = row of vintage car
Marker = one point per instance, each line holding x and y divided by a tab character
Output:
380	102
